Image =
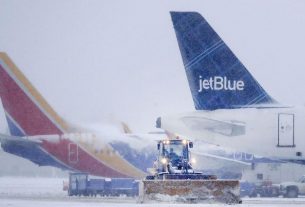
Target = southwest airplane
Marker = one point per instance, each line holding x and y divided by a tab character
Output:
39	134
232	109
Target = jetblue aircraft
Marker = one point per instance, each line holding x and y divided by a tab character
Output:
232	109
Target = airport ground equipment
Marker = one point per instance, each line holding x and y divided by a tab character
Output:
81	184
262	189
293	189
267	189
247	189
173	178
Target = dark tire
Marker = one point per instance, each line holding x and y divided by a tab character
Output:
150	177
275	192
292	192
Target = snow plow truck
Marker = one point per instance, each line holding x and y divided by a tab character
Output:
173	178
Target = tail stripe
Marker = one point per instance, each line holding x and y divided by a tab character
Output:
204	54
256	100
14	127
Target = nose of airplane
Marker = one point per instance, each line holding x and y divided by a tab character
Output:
158	122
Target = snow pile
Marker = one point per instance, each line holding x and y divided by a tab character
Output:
20	187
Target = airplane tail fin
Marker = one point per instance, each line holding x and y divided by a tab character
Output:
27	112
217	79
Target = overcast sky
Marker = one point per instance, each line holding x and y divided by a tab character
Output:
115	59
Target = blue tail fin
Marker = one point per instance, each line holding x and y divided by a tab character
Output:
218	80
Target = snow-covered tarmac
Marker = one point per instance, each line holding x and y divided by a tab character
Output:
45	192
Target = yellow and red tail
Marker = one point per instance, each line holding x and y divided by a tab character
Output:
27	112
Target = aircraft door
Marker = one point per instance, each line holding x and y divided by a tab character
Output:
286	130
73	153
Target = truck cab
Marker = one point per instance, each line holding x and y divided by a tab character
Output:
293	189
174	156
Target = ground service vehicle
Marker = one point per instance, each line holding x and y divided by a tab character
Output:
247	189
81	184
267	189
174	179
293	189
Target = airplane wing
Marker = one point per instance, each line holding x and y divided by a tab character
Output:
227	128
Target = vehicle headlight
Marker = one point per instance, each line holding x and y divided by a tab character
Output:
193	161
164	161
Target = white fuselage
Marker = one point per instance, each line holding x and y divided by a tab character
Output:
272	132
